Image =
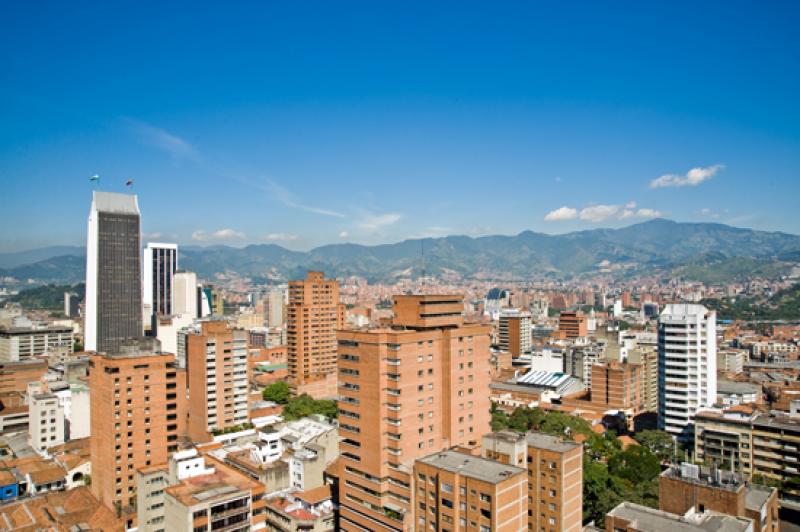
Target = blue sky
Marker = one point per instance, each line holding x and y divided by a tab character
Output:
304	123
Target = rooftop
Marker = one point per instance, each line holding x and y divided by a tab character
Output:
778	421
472	466
704	476
550	443
644	518
115	202
734	387
757	496
222	484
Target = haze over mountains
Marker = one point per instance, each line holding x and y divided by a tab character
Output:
692	250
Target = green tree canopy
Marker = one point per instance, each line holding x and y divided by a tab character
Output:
658	442
277	392
635	464
304	406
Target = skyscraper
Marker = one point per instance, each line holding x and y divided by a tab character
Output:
687	366
113	272
405	392
160	264
313	316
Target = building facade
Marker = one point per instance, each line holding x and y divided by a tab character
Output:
314	313
406	391
514	332
45	421
687	366
572	324
185	294
555	476
160	265
619	385
458	491
113	272
24	343
138	409
218	377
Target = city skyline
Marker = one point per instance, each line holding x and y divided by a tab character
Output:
373	125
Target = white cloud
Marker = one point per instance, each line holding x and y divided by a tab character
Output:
152	236
599	213
162	139
280	237
372	221
344	234
649	213
290	200
561	214
223	235
693	177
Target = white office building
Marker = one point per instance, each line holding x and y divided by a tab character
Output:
687	366
184	294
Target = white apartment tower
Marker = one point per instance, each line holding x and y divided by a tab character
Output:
687	366
113	272
160	264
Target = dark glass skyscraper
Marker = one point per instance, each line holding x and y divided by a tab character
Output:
113	272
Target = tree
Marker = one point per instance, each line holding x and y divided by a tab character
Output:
277	392
635	464
499	420
560	424
304	406
603	446
658	442
599	495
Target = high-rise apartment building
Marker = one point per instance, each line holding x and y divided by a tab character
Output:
514	332
314	313
458	491
160	265
406	391
113	272
218	376
572	324
185	293
687	366
555	476
138	409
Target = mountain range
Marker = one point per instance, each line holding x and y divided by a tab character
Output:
689	250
